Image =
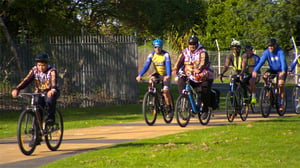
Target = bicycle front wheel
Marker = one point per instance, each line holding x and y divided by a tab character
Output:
149	108
182	110
168	112
242	103
265	102
54	132
295	99
27	132
230	109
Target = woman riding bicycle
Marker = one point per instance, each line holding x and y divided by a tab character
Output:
44	77
162	65
194	60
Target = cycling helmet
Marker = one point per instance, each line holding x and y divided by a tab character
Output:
272	42
235	43
42	57
157	43
193	40
248	47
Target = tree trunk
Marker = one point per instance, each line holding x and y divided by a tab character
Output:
12	44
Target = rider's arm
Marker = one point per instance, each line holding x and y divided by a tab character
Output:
294	63
244	63
168	65
54	80
146	65
261	61
26	81
179	63
283	61
227	63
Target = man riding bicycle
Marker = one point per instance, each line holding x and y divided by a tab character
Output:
249	61
44	77
194	60
162	64
277	65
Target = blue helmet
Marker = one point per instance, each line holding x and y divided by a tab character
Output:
157	43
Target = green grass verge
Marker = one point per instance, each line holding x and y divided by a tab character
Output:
271	143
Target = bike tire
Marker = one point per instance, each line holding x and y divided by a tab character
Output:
243	107
280	112
183	110
296	98
230	110
54	132
150	108
168	114
265	102
204	117
27	132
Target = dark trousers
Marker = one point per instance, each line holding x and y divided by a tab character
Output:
50	104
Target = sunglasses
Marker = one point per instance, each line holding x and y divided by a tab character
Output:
157	47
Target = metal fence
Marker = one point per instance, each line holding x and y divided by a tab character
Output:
93	69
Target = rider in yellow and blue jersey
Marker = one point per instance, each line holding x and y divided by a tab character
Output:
162	65
249	61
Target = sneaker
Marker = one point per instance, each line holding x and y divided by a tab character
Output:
253	100
281	107
50	122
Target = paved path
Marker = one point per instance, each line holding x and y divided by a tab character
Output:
81	140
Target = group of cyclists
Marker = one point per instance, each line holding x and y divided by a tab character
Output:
194	61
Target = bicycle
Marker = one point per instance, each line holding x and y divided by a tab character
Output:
296	95
269	97
31	128
154	103
190	103
238	99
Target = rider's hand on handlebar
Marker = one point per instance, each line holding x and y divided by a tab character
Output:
138	78
14	93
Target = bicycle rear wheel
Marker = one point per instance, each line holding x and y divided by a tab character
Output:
230	110
54	132
168	113
27	132
150	108
243	106
205	116
182	110
295	99
265	102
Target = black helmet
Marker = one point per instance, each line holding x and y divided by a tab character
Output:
248	47
193	40
272	42
42	57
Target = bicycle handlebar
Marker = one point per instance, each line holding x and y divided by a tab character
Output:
31	94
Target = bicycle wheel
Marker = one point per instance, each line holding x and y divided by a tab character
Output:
27	132
243	106
230	110
205	116
149	108
280	112
54	132
265	101
182	110
168	113
295	99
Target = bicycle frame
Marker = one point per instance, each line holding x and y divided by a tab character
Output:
190	91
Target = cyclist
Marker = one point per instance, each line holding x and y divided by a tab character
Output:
294	63
195	60
44	77
162	64
249	61
277	65
234	59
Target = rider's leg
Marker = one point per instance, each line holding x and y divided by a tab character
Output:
51	106
205	93
253	90
181	84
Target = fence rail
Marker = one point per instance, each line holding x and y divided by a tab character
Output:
93	70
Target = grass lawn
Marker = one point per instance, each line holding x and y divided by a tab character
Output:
271	143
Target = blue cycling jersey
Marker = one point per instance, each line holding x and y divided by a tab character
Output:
276	60
294	63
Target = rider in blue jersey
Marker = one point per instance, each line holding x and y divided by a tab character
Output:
162	65
277	65
294	63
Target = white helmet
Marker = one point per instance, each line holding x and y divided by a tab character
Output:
235	43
